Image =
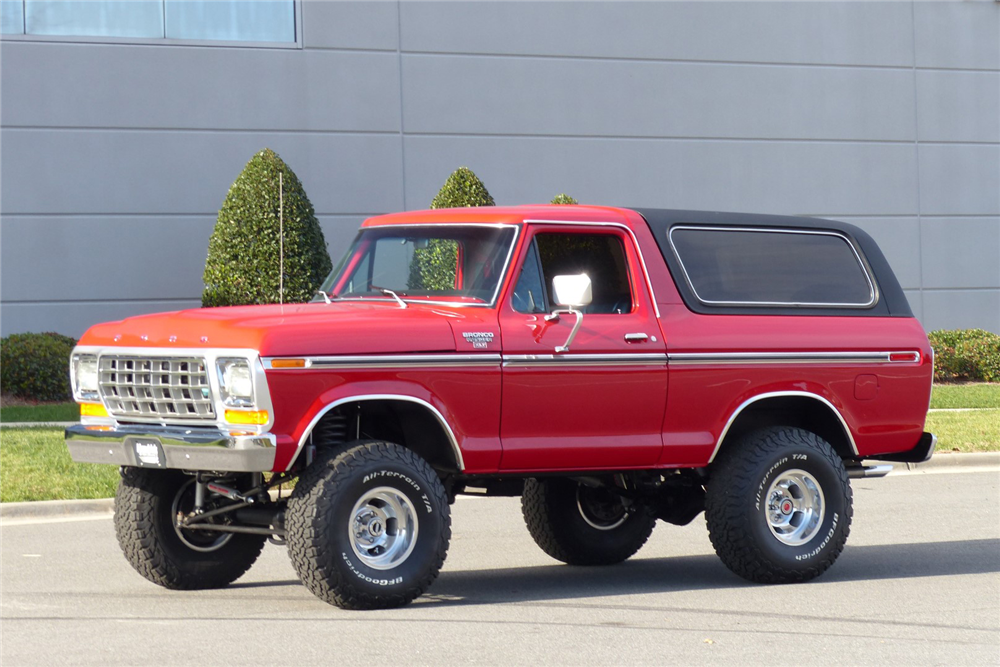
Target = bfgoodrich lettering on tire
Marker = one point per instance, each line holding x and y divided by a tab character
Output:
368	526
779	506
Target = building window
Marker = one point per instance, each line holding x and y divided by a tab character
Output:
268	21
196	20
12	17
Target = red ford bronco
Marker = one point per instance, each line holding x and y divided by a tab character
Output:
609	366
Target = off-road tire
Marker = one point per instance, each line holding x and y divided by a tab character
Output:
323	510
555	519
144	526
736	505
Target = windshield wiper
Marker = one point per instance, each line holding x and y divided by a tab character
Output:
388	292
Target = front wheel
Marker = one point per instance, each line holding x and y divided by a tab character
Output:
778	506
147	504
368	526
583	525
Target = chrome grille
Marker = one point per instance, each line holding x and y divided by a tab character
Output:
156	387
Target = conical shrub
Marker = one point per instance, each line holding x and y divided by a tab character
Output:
244	251
564	198
433	267
463	188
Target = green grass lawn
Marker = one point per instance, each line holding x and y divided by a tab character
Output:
976	428
974	431
46	412
979	395
35	465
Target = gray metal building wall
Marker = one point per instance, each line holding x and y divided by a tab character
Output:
115	158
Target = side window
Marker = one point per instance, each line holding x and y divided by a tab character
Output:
529	293
600	256
764	267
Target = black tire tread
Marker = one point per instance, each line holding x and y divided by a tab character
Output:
550	534
311	505
144	543
725	506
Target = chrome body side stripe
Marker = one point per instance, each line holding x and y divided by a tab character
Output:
624	359
719	358
389	361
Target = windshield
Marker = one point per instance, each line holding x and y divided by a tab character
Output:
457	264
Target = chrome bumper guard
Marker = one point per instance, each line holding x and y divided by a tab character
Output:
171	447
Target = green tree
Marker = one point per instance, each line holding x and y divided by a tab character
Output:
564	198
433	267
244	252
463	188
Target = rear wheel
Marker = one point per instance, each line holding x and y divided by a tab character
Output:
583	525
368	526
779	506
147	504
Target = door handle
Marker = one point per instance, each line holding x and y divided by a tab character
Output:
636	338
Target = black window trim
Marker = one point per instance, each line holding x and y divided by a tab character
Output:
538	227
635	244
872	285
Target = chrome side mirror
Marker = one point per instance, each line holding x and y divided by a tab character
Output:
573	292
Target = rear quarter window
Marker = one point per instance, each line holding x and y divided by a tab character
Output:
772	267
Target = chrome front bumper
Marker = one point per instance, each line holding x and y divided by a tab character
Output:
171	447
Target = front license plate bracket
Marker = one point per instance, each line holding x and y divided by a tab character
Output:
148	452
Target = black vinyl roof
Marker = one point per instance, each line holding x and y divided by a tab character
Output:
892	302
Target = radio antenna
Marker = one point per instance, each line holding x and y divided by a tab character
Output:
281	239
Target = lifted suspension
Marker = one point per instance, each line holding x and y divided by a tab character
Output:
251	512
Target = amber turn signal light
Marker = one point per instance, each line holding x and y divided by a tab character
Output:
254	417
288	363
92	410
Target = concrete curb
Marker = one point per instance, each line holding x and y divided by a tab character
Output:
36	424
951	460
50	509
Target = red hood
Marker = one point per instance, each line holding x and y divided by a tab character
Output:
299	329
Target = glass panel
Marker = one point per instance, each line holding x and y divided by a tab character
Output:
231	20
758	267
600	256
529	295
12	17
93	18
456	264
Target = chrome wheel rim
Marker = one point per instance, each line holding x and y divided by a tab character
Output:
383	528
198	540
600	508
795	507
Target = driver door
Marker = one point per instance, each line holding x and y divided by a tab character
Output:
599	405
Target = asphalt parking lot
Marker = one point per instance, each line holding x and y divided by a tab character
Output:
919	583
